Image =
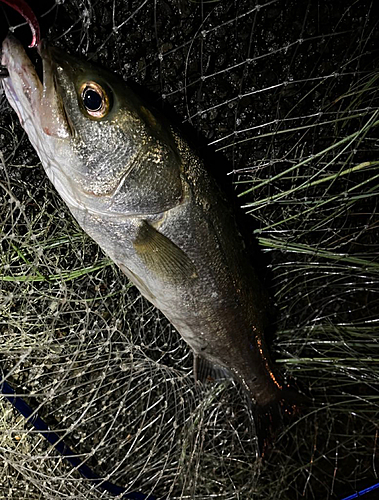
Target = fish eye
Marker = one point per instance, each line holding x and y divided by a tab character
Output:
95	100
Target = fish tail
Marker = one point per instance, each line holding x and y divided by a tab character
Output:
270	420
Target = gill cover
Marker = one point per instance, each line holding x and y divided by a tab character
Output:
126	153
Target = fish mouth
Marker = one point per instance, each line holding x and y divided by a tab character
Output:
35	99
39	108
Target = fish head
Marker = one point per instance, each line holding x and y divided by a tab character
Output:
101	147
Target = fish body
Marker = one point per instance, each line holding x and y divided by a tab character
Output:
140	191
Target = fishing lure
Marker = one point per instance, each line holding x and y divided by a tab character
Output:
23	8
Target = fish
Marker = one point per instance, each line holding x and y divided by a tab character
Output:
140	190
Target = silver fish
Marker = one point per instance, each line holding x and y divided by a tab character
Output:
140	191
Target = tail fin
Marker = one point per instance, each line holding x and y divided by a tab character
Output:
282	409
269	420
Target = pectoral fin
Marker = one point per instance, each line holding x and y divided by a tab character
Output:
162	257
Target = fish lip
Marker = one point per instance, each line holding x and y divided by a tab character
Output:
22	78
34	99
15	60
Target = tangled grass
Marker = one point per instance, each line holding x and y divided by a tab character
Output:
290	97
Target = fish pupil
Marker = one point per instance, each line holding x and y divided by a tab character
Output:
92	100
